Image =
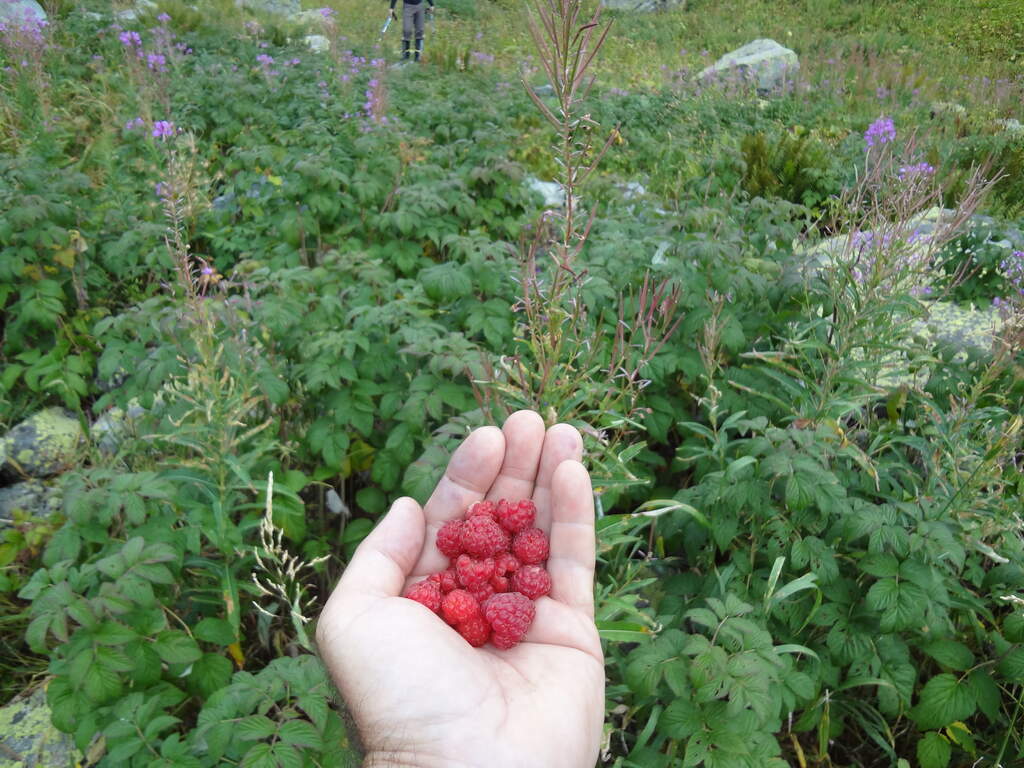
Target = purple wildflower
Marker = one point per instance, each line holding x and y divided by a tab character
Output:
163	18
130	39
327	13
137	122
882	131
162	129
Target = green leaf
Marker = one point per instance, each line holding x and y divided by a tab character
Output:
1012	666
175	647
114	633
681	719
881	564
950	653
214	630
259	756
987	692
300	733
944	700
211	673
255	727
934	751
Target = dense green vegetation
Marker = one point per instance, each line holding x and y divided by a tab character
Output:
319	266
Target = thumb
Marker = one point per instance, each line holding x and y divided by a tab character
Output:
385	557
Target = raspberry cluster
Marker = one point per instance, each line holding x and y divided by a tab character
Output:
496	572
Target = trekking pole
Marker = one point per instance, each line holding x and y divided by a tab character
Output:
387	24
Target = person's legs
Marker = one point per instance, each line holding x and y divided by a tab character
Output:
419	30
408	25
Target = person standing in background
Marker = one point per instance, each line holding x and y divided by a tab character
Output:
412	21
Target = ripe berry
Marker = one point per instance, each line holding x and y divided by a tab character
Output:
530	546
459	606
472	573
482	592
476	630
516	516
449	538
510	615
426	593
506	563
448	580
482	537
500	583
485	508
532	580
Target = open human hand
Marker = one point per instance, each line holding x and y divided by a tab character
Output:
420	695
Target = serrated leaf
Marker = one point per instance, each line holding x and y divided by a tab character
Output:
300	733
215	630
1011	667
680	720
944	700
934	751
881	564
176	647
950	653
255	727
259	756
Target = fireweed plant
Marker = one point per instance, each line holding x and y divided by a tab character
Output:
809	545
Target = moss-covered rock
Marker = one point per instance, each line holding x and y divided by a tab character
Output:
42	445
28	499
28	738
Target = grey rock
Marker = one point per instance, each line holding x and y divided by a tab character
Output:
29	739
550	191
763	62
317	43
544	90
643	6
110	429
42	445
28	499
22	12
275	7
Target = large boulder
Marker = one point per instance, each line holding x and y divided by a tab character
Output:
643	5
43	445
762	62
28	499
21	11
28	738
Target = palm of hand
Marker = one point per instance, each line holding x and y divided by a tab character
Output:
419	693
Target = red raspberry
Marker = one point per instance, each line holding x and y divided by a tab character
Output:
530	546
504	642
482	537
485	508
426	593
532	580
476	631
448	580
472	573
516	516
459	606
449	539
500	583
506	563
482	592
510	615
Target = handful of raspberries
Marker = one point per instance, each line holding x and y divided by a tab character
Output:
495	574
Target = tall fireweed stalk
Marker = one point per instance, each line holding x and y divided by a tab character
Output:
564	368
